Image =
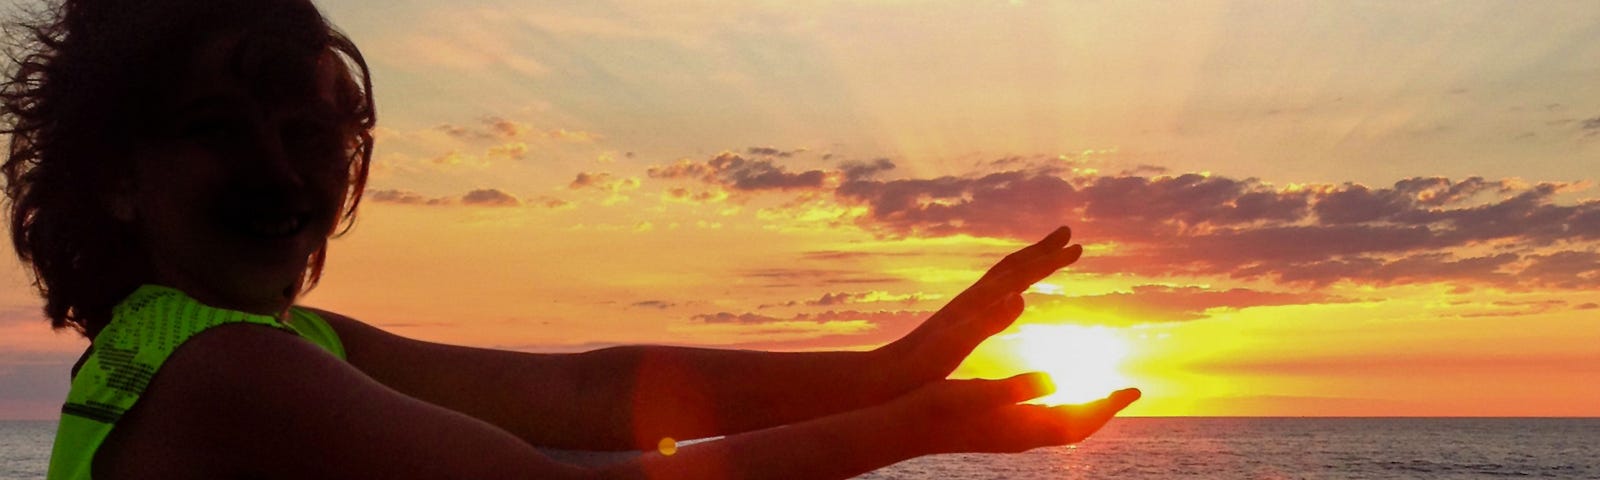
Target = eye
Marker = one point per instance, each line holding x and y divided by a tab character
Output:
310	136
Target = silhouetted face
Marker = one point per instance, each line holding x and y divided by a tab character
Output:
243	177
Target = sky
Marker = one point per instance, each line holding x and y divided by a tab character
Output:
1288	208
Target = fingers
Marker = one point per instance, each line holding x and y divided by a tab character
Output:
1050	243
1007	391
967	397
1024	275
1011	427
1086	418
998	317
1022	269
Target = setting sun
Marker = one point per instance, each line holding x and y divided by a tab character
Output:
1084	362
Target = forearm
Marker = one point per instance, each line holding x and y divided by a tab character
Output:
625	397
837	446
686	393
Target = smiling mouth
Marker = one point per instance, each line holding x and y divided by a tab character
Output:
279	227
269	226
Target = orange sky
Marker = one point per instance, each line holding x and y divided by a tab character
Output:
1291	209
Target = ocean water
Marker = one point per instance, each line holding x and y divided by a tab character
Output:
1203	448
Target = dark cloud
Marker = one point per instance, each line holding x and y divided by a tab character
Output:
743	318
864	170
503	129
773	152
1210	225
550	202
488	128
603	181
1413	231
587	179
881	318
1591	124
1159	303
489	197
693	196
404	197
738	173
484	197
1358	204
803	276
1571	269
838	298
458	131
656	304
841	298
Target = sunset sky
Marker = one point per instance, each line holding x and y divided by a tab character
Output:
1288	208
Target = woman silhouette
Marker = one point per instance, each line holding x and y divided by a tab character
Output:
175	170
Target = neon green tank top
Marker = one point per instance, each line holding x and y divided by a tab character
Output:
145	329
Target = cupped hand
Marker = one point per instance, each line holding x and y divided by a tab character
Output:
949	416
936	347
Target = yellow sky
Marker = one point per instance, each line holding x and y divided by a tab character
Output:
568	177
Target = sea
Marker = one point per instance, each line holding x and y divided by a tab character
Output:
1201	448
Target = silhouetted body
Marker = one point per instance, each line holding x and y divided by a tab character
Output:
175	173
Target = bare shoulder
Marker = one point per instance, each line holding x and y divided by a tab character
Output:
252	401
360	339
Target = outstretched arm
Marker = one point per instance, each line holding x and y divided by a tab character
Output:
631	397
624	397
246	401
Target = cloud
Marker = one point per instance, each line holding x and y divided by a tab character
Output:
735	172
685	195
1417	230
484	197
851	254
586	180
513	151
804	276
404	197
863	170
744	318
656	304
1591	124
547	201
1159	303
489	197
878	317
1192	224
575	136
603	181
843	298
454	158
773	152
505	129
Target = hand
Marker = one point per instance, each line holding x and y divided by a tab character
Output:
936	347
951	416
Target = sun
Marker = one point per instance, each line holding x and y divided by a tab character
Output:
1084	362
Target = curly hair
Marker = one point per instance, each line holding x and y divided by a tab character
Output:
78	92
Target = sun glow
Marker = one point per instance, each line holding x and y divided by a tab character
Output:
1084	362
